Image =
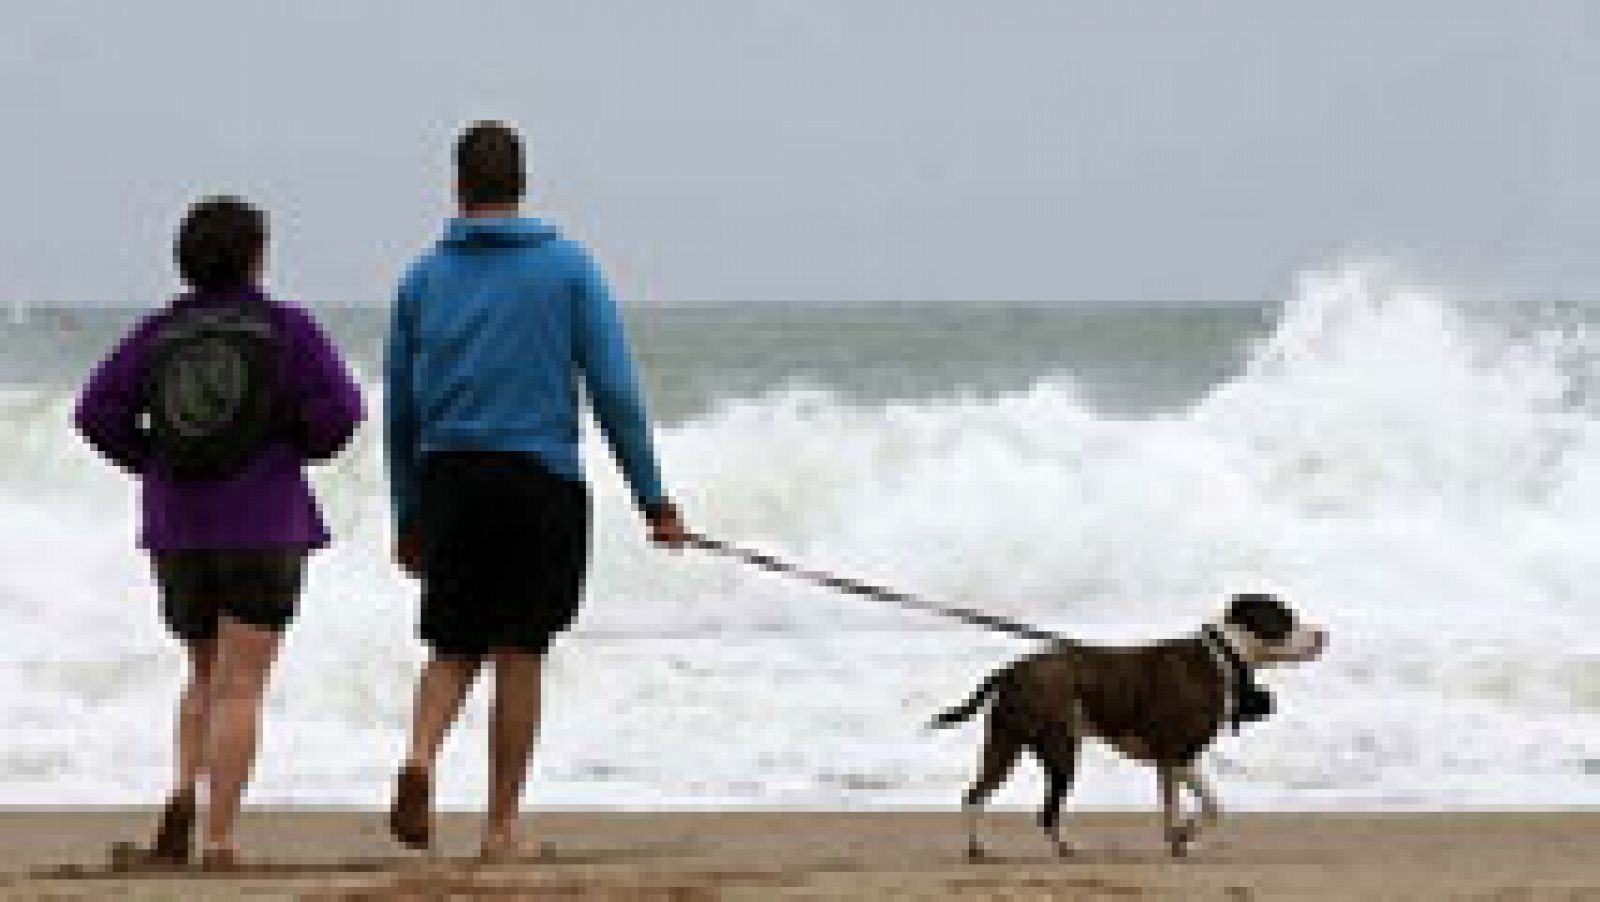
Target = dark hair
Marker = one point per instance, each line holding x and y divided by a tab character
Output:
489	164
219	243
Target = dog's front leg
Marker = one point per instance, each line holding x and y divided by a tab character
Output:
1179	830
1210	811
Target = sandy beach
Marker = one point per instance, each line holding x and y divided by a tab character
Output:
62	854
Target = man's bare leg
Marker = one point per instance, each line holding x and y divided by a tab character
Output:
514	724
441	690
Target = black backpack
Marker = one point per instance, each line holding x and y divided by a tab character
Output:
211	390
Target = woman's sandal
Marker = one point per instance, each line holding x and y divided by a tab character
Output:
175	833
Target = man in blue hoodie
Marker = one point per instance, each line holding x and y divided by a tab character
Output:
493	331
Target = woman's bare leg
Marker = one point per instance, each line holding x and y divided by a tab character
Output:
244	657
194	715
175	832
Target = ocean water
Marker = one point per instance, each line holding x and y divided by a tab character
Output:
1419	474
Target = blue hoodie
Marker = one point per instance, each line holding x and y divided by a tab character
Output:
492	330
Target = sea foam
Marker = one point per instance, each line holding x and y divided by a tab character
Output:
1422	481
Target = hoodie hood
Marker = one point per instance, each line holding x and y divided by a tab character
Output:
467	232
500	333
243	294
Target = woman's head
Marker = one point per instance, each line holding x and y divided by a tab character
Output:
221	244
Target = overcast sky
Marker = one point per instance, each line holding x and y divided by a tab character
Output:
786	150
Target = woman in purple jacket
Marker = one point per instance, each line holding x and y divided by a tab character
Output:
229	548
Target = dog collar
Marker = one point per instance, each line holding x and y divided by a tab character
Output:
1243	699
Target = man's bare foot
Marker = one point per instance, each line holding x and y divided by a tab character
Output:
220	857
507	848
411	816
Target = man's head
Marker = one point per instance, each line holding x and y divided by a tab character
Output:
1270	632
221	244
489	167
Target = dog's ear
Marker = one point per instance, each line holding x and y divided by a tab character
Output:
1261	615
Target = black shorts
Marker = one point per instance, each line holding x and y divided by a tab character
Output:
259	588
505	548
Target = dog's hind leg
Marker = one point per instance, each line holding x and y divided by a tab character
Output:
1000	751
1059	755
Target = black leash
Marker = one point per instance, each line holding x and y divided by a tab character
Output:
867	590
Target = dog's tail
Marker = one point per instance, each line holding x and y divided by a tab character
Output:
964	711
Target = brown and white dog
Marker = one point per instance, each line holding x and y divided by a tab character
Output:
1160	704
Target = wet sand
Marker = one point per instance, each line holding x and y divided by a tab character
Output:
878	855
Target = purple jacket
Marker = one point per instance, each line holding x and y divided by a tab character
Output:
269	503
